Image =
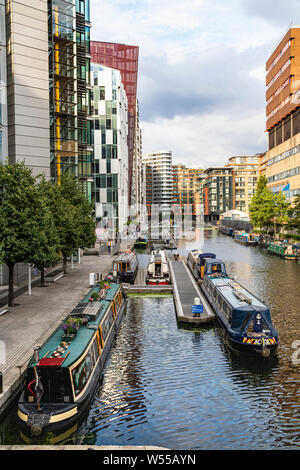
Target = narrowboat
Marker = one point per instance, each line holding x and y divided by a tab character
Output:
196	262
125	267
63	373
244	238
141	242
226	230
158	269
245	319
284	250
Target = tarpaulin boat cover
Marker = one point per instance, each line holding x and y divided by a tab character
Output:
240	314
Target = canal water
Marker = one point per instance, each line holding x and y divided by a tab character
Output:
182	389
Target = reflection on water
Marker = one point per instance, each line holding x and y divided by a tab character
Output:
184	389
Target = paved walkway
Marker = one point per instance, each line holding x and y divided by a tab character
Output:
35	316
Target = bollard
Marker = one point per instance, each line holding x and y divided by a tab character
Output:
1	383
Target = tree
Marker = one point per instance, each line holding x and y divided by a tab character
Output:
294	213
19	212
74	218
262	207
46	250
281	212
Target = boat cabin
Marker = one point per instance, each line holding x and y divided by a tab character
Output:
215	267
196	261
126	266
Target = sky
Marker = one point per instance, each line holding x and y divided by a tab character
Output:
201	82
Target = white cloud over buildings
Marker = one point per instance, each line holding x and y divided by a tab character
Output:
201	81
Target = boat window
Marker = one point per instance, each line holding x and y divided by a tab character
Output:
106	324
82	372
123	267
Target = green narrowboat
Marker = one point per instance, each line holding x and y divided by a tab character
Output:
285	251
63	373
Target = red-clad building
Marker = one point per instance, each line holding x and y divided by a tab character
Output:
125	59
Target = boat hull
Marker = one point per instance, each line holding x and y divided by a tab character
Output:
57	419
157	282
238	342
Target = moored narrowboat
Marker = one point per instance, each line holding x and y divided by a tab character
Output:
284	250
158	269
196	262
141	242
245	238
246	320
226	230
63	374
125	267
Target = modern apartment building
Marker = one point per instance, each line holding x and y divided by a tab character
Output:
159	178
283	115
185	185
3	93
111	167
124	58
245	173
217	193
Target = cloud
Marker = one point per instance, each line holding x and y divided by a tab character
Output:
206	140
201	85
283	13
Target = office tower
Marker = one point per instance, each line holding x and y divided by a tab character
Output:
159	178
3	94
110	116
28	84
283	115
124	58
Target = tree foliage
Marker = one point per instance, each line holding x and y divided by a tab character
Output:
39	221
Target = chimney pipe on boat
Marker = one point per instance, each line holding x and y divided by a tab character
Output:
36	354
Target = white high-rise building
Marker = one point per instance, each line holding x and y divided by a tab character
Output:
161	184
110	116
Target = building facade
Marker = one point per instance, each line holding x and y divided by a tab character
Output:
283	115
28	84
217	192
159	179
3	92
111	166
245	173
69	98
124	58
185	186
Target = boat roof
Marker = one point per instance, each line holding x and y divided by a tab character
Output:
125	257
237	295
84	333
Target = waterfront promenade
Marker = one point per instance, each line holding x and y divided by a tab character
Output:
36	316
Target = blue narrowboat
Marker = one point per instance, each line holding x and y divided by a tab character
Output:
196	262
226	230
244	238
246	320
63	373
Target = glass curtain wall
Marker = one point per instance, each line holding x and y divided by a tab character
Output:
63	89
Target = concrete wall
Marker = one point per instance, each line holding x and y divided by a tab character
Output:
28	84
